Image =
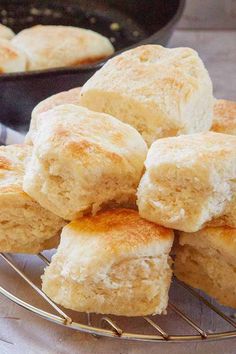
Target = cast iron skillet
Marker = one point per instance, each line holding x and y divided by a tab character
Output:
139	22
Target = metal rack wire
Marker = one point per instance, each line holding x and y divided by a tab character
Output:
111	328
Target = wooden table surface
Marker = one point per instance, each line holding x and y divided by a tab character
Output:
32	335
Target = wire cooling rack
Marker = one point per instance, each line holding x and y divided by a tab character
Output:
161	327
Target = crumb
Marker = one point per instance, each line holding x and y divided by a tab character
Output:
11	20
35	11
115	26
47	12
92	20
135	33
57	15
3	12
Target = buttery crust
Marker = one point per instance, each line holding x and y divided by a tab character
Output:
114	262
122	230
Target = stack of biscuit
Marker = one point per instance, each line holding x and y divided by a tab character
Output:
123	162
45	47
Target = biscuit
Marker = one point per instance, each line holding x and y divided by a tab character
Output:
57	46
224	119
82	161
207	260
25	227
190	182
72	97
161	92
6	32
11	58
112	263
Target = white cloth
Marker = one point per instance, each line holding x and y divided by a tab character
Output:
9	136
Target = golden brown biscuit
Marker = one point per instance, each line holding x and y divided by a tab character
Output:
159	91
190	182
83	161
114	262
56	46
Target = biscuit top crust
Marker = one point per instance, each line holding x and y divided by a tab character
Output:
121	231
186	150
152	73
77	133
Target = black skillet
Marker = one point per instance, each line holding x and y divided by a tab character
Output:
139	22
